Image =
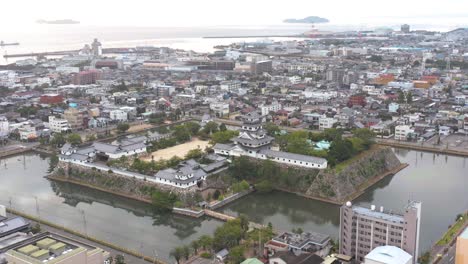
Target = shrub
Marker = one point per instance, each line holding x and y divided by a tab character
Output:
206	255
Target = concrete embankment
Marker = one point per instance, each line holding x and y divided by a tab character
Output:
13	150
80	183
433	149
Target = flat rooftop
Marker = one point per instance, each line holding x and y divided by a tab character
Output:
391	217
302	240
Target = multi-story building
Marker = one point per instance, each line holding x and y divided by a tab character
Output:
86	77
461	250
405	28
259	67
4	127
54	248
267	108
75	118
326	123
402	132
118	115
363	229
51	99
58	125
220	108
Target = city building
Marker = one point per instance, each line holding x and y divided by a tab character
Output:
286	257
402	132
96	48
393	107
388	255
259	67
51	99
267	108
307	242
58	125
75	118
326	122
56	249
4	127
405	28
86	77
364	229
461	250
118	115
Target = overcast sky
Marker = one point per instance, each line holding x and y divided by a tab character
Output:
238	12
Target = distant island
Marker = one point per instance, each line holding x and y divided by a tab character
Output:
309	19
58	22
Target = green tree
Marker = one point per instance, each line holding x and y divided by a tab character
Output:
119	259
90	138
206	242
223	136
123	127
186	252
36	228
177	253
340	150
425	258
236	254
271	129
192	127
264	186
181	133
164	200
194	154
211	127
53	161
58	140
228	235
195	246
222	127
74	139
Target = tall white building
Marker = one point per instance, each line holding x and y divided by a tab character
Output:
326	122
402	132
273	107
118	115
4	127
58	125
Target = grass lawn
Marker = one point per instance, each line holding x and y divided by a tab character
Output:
453	231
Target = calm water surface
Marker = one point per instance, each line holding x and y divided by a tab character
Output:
121	221
439	181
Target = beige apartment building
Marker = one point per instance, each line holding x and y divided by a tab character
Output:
363	229
461	250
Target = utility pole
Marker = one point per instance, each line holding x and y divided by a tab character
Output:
84	222
37	207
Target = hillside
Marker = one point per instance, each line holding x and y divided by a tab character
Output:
309	19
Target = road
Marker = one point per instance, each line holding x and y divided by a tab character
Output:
449	257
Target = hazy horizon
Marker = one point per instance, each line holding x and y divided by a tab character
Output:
183	13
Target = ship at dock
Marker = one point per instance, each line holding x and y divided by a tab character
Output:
3	43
